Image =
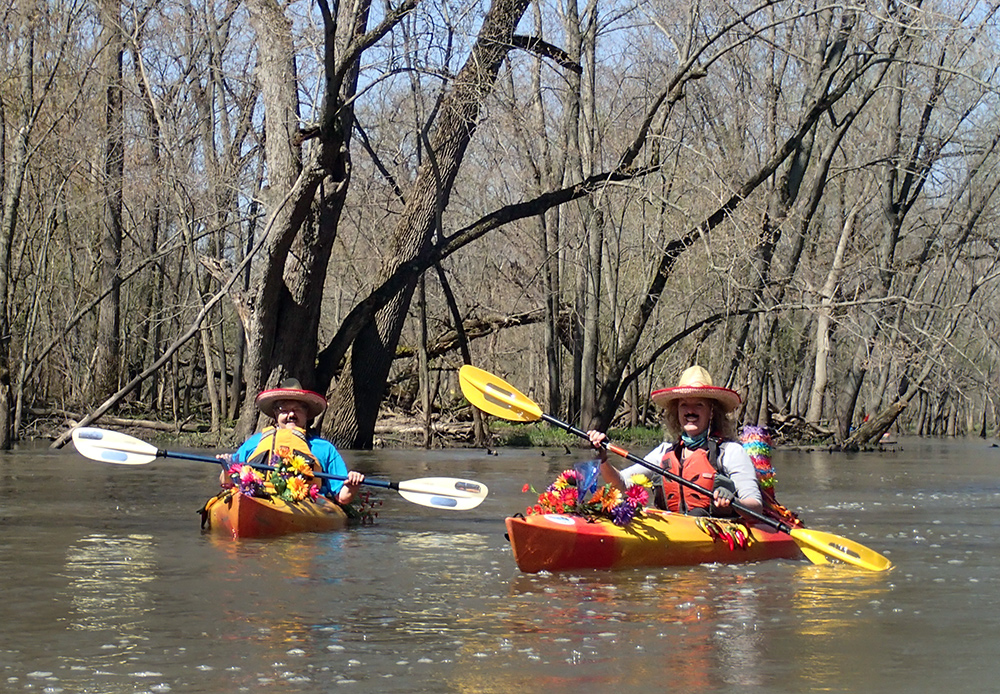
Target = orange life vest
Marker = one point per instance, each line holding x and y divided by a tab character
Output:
284	442
701	468
696	468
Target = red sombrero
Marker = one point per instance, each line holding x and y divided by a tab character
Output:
291	389
696	382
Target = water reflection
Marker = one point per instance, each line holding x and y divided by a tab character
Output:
107	574
836	608
708	627
829	599
109	610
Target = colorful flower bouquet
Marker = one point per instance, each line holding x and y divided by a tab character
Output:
576	492
290	480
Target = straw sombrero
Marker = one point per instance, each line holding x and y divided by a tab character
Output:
696	382
291	389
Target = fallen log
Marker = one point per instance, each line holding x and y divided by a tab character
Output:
73	420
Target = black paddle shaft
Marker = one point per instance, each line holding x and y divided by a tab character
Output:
324	475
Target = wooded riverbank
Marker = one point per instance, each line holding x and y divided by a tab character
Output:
199	201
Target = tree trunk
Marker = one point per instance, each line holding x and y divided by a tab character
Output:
11	183
549	239
423	363
578	120
355	398
107	359
304	200
823	320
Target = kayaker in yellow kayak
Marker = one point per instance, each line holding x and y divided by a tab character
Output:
292	407
703	450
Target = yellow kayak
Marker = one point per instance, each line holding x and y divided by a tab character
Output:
556	542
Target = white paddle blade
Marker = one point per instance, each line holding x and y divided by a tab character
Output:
444	492
112	447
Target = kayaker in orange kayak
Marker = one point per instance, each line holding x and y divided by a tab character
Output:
703	450
292	407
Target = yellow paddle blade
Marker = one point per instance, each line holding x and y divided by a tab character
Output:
839	549
812	555
495	396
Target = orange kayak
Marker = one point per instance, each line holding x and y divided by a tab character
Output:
554	542
238	515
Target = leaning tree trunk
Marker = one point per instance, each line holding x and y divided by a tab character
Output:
357	394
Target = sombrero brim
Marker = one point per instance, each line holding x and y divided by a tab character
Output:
729	399
314	402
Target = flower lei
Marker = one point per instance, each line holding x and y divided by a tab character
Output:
606	501
290	480
363	509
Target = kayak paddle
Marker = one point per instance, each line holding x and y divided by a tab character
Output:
494	396
121	449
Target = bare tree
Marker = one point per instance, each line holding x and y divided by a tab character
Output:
372	336
107	355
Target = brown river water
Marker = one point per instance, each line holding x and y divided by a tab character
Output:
108	585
